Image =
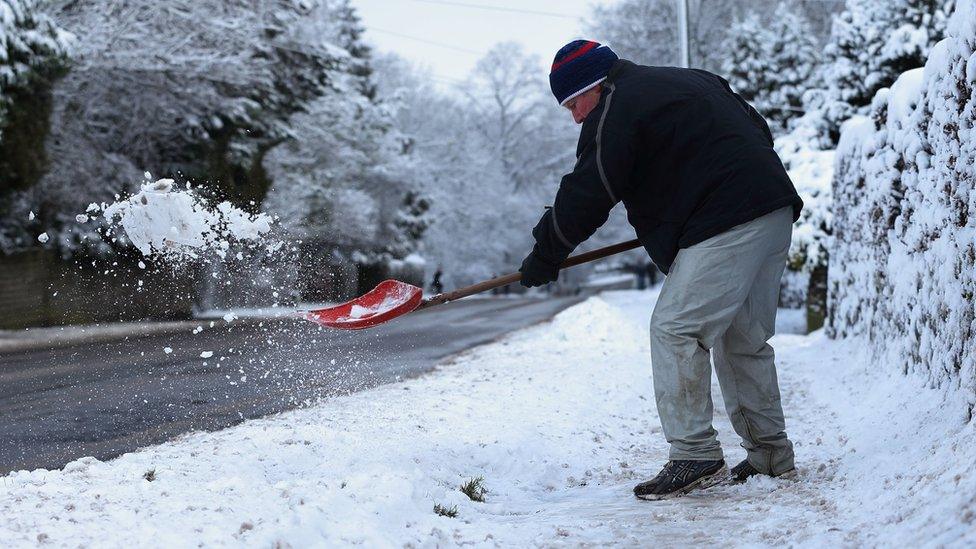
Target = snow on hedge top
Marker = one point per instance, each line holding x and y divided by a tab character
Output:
903	97
161	219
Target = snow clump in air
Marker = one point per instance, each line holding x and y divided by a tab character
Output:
162	219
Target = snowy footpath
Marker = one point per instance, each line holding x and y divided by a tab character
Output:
559	420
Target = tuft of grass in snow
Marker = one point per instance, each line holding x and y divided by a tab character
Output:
475	489
150	475
444	511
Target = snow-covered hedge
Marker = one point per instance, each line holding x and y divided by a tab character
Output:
903	257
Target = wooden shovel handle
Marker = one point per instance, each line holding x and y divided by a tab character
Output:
504	280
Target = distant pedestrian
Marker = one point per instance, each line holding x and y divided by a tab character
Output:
641	273
435	286
650	270
694	165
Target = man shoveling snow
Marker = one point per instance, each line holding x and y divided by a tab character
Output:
711	203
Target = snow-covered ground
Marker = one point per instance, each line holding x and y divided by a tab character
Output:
560	421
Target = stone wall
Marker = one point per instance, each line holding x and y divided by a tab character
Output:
37	288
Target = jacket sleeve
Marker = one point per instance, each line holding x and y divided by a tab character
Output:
598	181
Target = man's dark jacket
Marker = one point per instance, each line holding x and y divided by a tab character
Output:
688	157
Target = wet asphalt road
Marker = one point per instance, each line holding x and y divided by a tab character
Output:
106	399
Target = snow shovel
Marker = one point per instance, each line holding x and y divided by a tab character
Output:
392	298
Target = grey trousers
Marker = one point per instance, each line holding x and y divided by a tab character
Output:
721	296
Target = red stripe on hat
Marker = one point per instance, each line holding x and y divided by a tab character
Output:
589	46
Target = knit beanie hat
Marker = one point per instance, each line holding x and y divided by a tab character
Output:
579	66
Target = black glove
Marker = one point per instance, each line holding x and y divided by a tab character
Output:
536	271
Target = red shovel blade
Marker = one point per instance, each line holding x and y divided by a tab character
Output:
388	300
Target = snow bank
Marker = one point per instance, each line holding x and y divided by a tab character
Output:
168	221
368	468
902	265
561	423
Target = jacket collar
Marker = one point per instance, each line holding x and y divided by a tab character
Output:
619	66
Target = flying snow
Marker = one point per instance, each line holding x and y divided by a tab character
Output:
162	219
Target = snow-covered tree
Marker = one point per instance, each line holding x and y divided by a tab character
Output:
488	156
193	89
645	31
33	52
747	66
410	225
208	71
346	177
772	64
811	170
793	60
510	105
708	22
349	36
325	176
872	43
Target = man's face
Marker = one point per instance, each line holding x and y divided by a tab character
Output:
584	103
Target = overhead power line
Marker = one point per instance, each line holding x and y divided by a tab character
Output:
426	41
497	8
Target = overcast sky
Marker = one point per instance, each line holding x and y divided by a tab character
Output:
450	35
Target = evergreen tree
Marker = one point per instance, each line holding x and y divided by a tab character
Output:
33	52
771	66
32	49
410	225
349	37
871	44
746	66
645	31
196	89
920	24
793	59
344	176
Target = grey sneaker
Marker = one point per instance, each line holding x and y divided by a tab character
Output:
682	476
744	470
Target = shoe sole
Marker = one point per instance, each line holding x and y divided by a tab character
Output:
706	481
789	475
